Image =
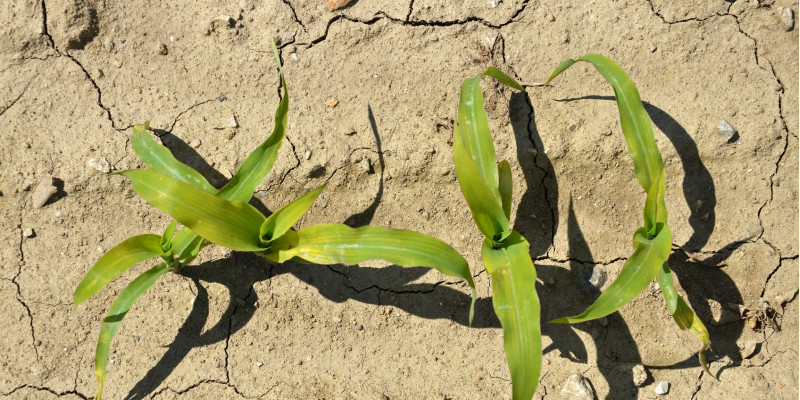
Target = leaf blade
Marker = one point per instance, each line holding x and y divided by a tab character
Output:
281	220
116	313
636	274
159	159
517	306
505	187
233	224
257	165
116	261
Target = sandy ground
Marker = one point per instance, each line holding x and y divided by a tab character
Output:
76	75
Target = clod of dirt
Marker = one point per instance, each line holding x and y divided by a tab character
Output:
723	314
749	349
727	130
366	166
639	375
214	23
43	191
162	49
577	387
334	5
72	23
662	388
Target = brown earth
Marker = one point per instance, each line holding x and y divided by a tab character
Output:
75	75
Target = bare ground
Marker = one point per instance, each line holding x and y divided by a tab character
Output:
76	75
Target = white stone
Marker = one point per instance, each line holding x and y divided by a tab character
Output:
662	388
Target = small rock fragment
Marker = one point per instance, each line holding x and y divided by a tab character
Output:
598	277
639	375
366	165
307	154
662	388
749	349
259	363
28	232
232	122
350	131
43	191
334	5
196	143
577	387
787	18
100	164
495	3
222	97
162	49
332	102
727	130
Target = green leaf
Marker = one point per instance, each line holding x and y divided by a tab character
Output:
131	251
683	315
636	124
503	78
258	164
166	237
340	244
636	274
233	224
655	210
281	220
517	306
485	205
159	159
505	186
115	315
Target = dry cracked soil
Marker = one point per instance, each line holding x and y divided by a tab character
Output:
373	88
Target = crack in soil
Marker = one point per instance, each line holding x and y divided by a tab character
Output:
3	111
21	263
47	389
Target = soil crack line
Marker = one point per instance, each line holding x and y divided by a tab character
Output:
19	290
16	99
46	389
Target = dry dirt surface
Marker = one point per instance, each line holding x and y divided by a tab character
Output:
76	75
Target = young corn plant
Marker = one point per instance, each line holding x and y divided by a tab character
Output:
224	217
487	187
653	241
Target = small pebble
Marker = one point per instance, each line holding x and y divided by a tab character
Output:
222	97
259	363
662	388
28	232
332	102
43	191
334	5
350	131
727	130
473	26
360	327
787	18
366	166
577	387
162	49
110	45
232	122
196	143
495	3
307	154
100	164
639	375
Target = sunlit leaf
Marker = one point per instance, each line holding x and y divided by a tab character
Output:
340	244
233	224
517	306
131	251
115	315
159	159
281	220
636	125
258	164
505	186
636	274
